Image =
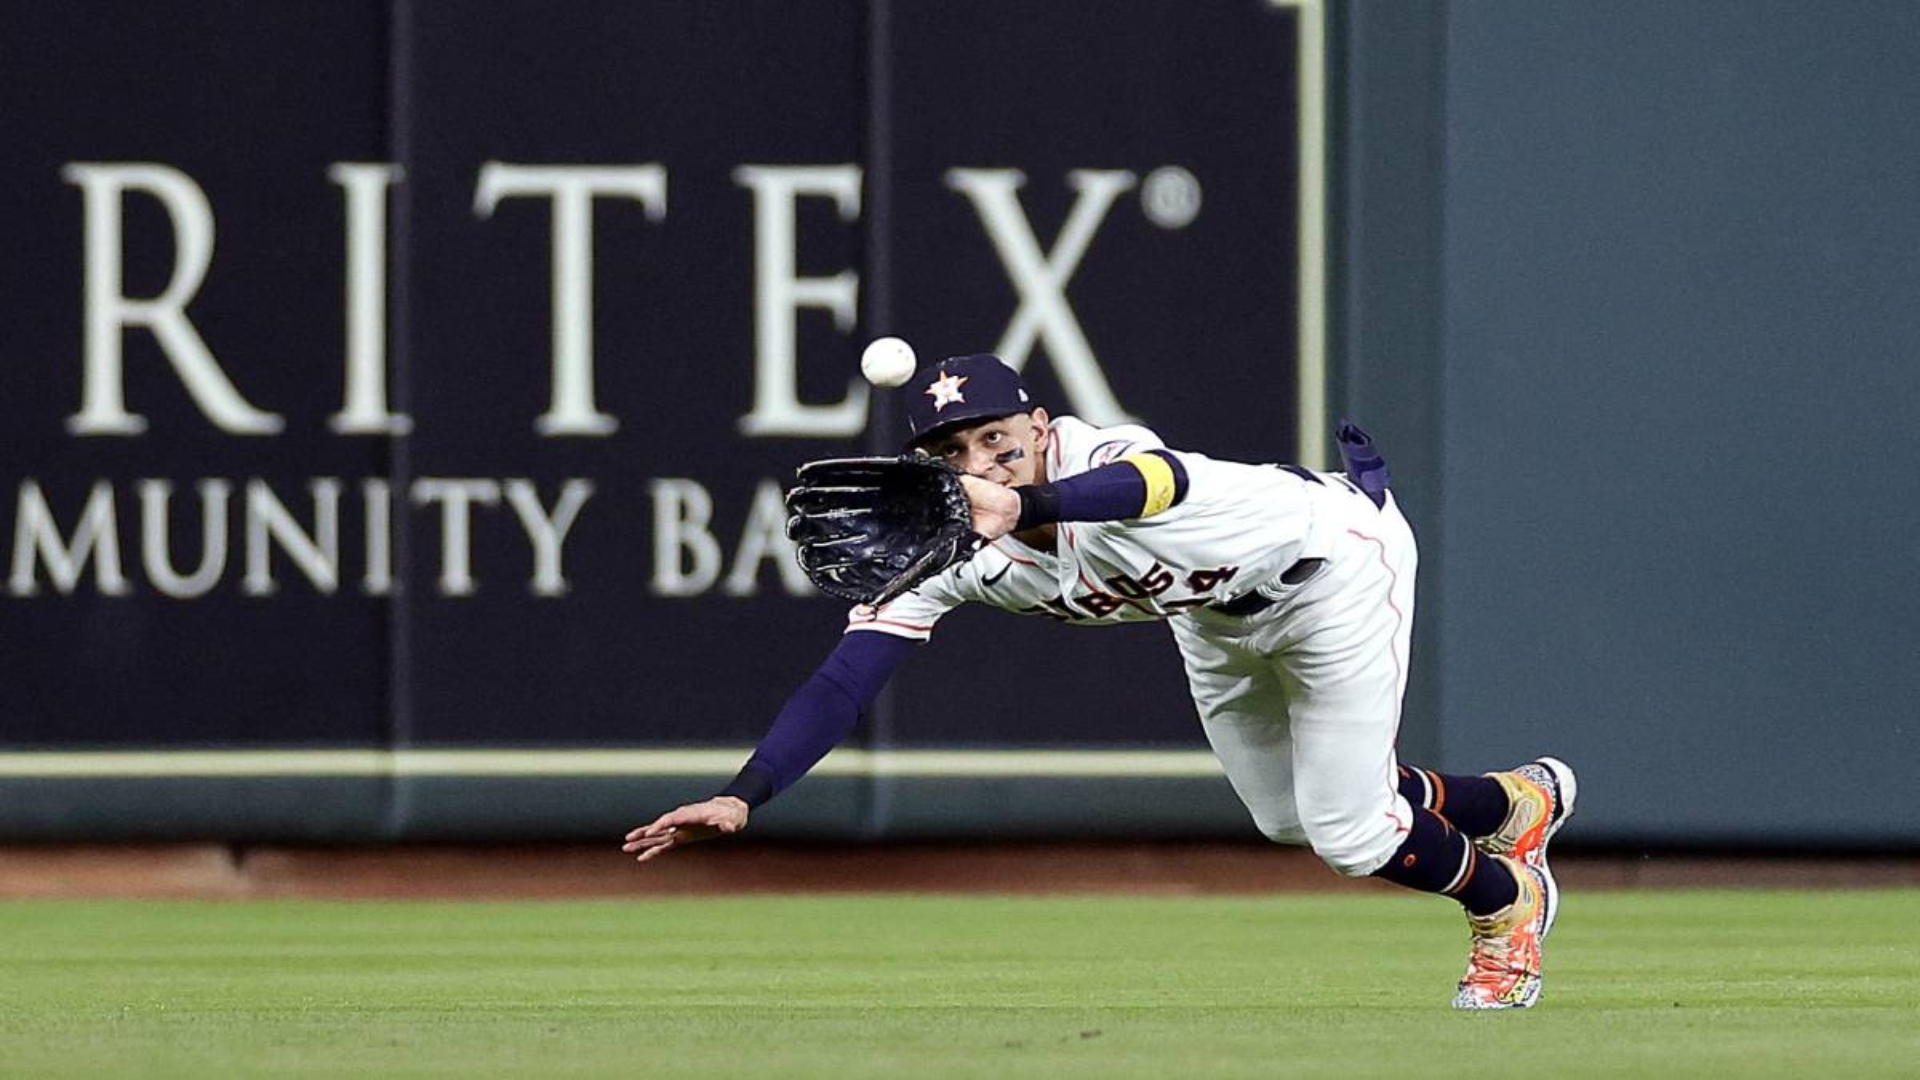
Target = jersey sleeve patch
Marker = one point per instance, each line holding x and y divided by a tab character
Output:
1108	452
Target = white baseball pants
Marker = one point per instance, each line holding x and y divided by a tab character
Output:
1301	702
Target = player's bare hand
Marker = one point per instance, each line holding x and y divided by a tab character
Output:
996	509
722	815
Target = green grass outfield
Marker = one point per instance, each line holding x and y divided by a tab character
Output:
1639	984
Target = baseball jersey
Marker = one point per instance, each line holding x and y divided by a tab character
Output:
1237	529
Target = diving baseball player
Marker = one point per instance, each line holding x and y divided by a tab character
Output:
1290	595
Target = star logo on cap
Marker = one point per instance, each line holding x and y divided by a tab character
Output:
945	390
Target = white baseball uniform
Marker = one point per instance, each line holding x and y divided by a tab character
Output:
1300	691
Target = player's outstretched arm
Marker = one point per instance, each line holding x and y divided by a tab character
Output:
721	815
815	719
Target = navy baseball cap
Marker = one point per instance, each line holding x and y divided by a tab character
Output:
962	390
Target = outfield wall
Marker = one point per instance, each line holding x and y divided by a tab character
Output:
398	395
1679	299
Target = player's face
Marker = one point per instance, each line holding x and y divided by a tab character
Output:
1010	451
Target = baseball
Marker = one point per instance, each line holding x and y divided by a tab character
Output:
887	361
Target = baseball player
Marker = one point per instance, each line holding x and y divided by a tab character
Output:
1290	595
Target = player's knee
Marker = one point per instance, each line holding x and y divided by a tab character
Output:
1353	853
1354	838
1287	833
1352	864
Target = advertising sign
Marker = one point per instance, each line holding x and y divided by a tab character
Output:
424	378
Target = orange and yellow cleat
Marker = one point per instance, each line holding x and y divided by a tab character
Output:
1504	968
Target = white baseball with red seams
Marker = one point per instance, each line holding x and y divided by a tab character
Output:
1300	700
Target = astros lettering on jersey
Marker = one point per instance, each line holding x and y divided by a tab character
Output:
1237	529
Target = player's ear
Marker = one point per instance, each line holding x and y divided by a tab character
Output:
1041	430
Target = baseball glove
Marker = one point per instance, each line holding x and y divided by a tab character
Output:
870	528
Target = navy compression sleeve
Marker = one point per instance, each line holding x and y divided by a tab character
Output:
1137	486
820	714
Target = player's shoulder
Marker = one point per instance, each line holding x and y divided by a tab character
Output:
1079	446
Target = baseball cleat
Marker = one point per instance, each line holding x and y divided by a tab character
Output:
1540	795
1503	970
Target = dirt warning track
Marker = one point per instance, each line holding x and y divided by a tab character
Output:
216	871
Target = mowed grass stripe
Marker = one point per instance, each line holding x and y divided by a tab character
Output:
1639	984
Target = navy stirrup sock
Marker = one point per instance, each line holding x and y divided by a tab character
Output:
1476	805
1435	857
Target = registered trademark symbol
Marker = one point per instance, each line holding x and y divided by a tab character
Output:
1170	197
